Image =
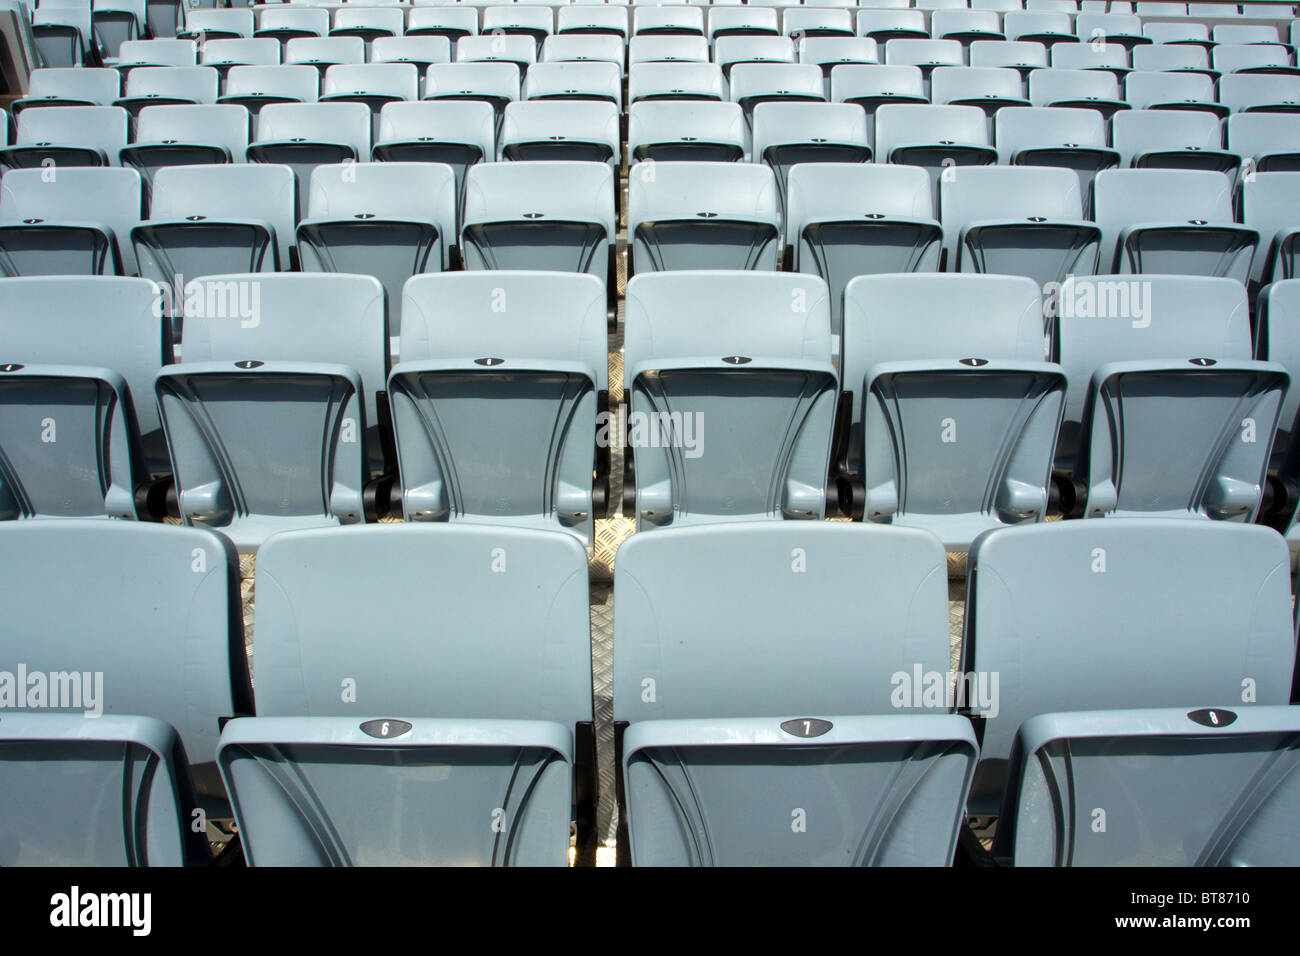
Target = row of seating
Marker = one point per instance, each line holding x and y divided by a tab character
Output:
393	220
460	732
281	412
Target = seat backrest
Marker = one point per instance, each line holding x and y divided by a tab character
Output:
200	21
97	86
163	52
296	81
207	124
917	125
674	81
1255	135
583	48
172	608
505	47
660	122
554	121
1007	53
346	123
100	127
108	321
1169	56
1054	86
1235	58
530	659
731	50
1007	194
1279	341
786	80
590	79
264	51
264	192
924	52
303	18
1103	319
418	49
1088	56
401	80
325	50
872	21
509	192
455	121
1210	601
1268	204
780	124
196	83
1018	128
1135	132
754	621
656	49
948	83
1244	91
1144	90
484	78
536	315
946	22
817	192
1036	22
824	50
1127	197
853	80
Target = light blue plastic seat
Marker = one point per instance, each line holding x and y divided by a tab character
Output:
1055	136
731	396
954	414
938	138
160	638
186	135
496	400
1271	141
70	86
463	739
676	131
79	223
1167	413
798	758
568	130
1117	615
306	135
66	136
273	417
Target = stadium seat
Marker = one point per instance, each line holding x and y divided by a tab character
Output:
388	220
123	331
702	131
1228	34
1255	58
273	412
667	49
683	20
132	805
966	26
450	21
254	87
675	81
755	83
702	216
78	223
1166	775
374	84
70	86
514	19
421	51
885	25
730	21
1172	91
575	80
583	48
1260	93
799	759
1167	414
204	220
954	414
1077	89
169	86
1110	57
496	400
495	83
1172	58
1269	141
202	25
592	19
1018	220
1110	29
1172	139
542	215
560	130
367	22
306	135
806	23
1278	340
1093	586
156	53
874	86
52	137
62	32
186	136
1176	221
989	88
291	22
1047	27
895	228
487	722
752	351
177	612
924	54
1183	33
